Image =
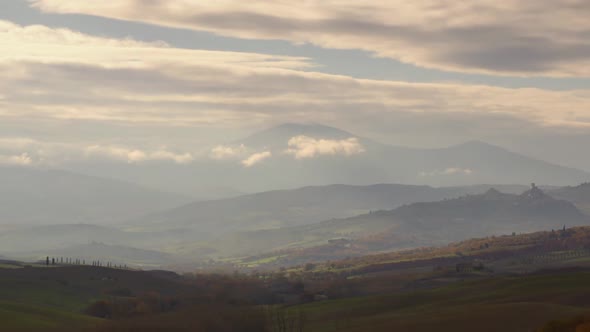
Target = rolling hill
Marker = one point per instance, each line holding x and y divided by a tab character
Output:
91	242
433	297
377	217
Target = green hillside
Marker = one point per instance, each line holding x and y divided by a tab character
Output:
510	303
17	316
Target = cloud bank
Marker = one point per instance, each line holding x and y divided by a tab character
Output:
449	171
52	153
510	37
16	160
136	155
233	88
304	147
256	158
111	94
223	152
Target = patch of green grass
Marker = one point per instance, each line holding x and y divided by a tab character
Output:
25	316
53	293
492	304
265	260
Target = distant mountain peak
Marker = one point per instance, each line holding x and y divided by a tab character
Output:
312	129
478	145
302	126
280	134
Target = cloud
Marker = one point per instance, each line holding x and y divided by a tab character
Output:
38	43
136	155
92	82
28	151
107	100
448	171
96	78
16	160
222	152
241	96
256	158
303	147
16	143
499	37
183	158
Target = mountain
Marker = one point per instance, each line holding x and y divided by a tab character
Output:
36	196
579	195
418	224
327	155
489	213
307	205
464	164
277	136
487	163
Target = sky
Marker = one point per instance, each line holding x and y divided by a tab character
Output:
173	81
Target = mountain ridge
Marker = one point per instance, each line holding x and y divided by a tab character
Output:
328	156
420	224
300	206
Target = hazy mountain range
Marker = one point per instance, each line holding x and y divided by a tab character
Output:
326	156
579	195
400	216
35	196
307	205
178	227
322	163
156	206
419	224
296	155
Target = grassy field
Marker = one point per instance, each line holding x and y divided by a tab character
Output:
522	303
48	298
69	298
55	299
19	316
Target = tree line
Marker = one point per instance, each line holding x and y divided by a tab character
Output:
51	261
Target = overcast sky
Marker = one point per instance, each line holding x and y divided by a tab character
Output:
170	80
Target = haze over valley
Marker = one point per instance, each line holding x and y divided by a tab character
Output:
311	166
